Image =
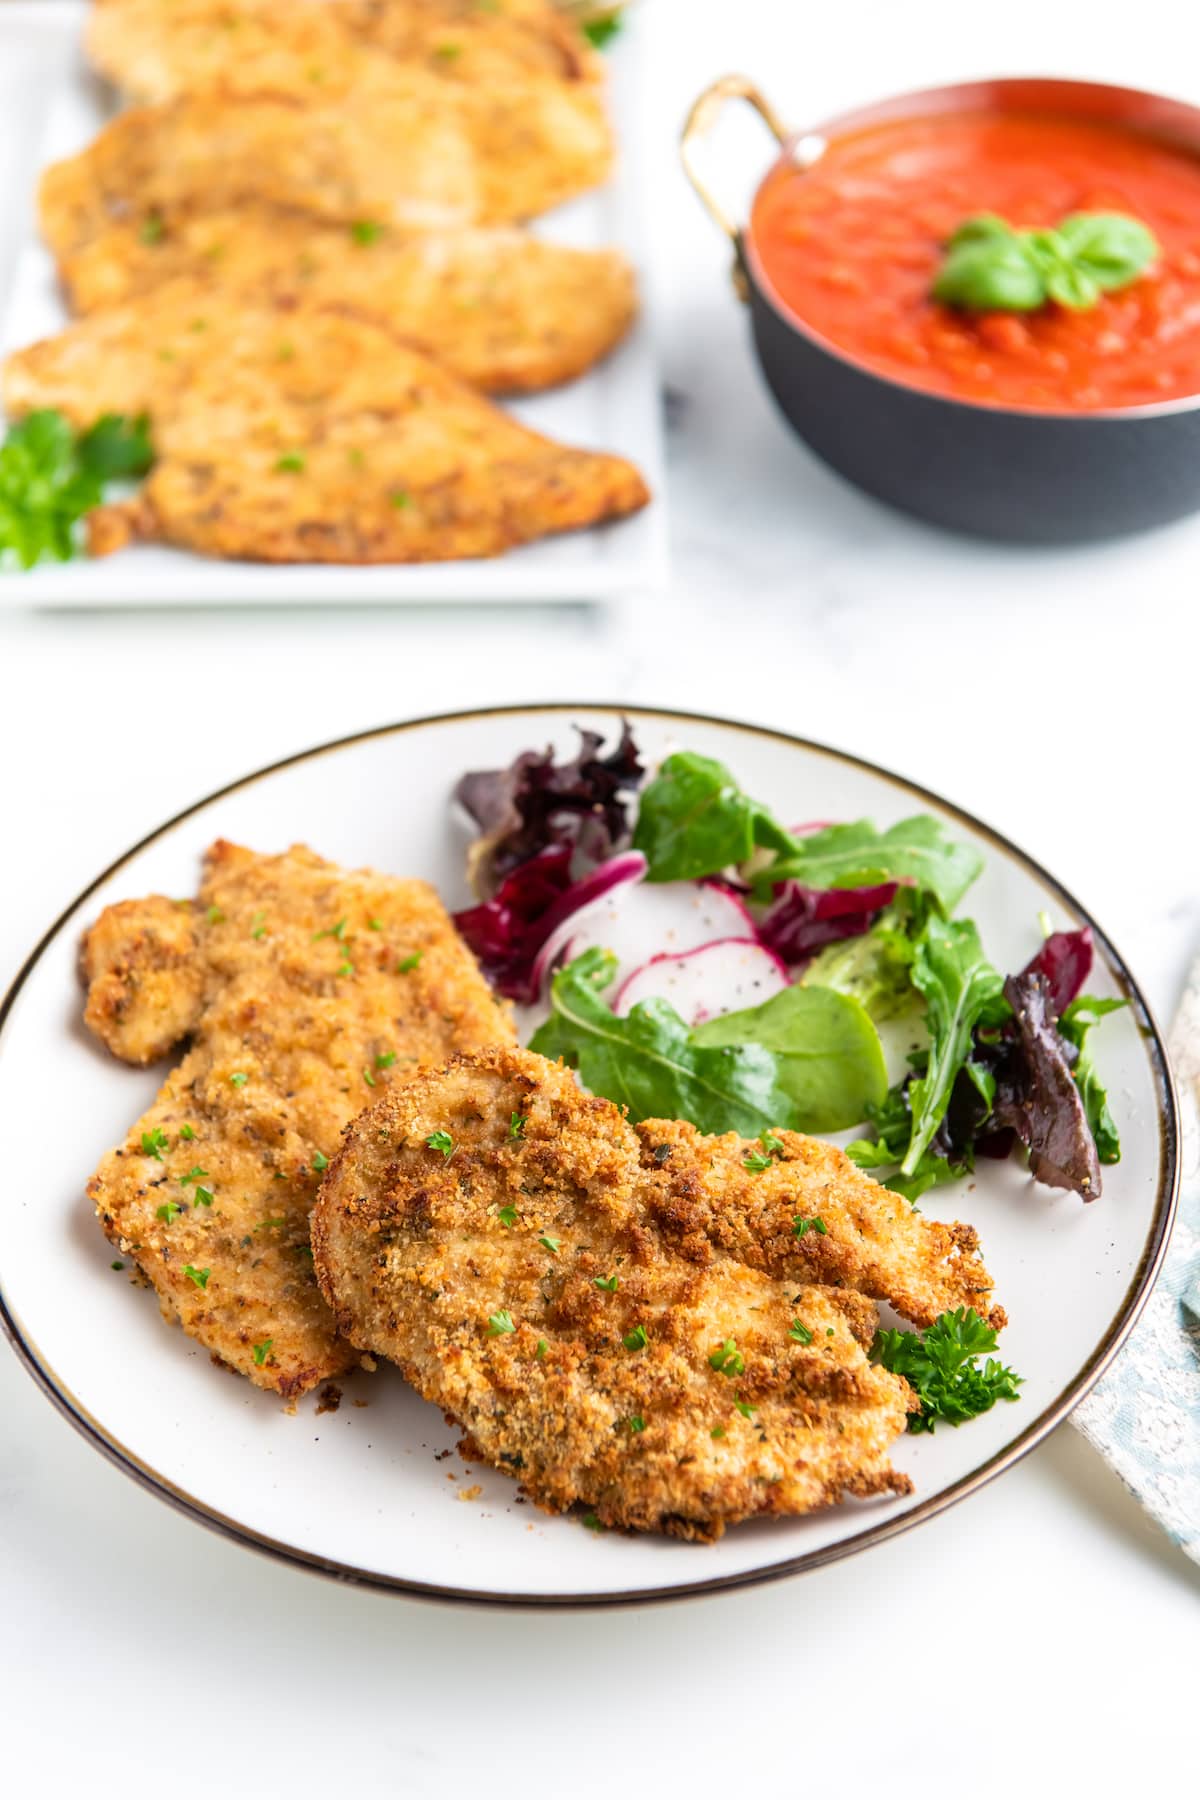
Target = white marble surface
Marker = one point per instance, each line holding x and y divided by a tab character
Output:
1041	1632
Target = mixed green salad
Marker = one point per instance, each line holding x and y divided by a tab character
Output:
701	960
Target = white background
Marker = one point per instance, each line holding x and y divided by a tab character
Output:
1041	1633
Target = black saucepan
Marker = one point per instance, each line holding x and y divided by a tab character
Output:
1001	472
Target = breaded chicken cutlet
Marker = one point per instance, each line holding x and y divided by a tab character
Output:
402	149
308	434
611	1313
302	988
154	49
508	312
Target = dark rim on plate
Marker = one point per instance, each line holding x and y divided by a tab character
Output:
1127	1315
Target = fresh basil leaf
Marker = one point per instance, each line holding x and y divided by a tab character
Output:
961	990
651	1064
694	820
1071	286
984	228
829	1061
990	275
918	850
1111	248
1075	1024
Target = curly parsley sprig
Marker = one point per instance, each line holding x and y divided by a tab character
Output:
941	1366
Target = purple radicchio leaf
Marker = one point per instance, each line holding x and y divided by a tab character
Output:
1036	1093
536	803
803	920
1065	959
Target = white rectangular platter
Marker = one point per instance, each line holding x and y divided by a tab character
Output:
50	106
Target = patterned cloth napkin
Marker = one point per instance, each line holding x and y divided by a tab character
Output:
1144	1416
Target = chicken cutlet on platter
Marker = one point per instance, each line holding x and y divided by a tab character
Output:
300	988
402	150
307	433
508	312
155	49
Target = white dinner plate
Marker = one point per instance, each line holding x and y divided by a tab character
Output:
376	1493
51	106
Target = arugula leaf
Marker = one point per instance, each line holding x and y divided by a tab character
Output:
651	1063
829	1061
50	478
694	820
961	990
916	850
1074	1025
930	1171
941	1366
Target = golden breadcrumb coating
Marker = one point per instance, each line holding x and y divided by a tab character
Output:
154	49
304	433
401	150
508	312
516	1274
873	1240
305	989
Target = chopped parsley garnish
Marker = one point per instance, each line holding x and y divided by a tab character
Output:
374	924
334	931
800	1334
269	1224
516	1126
552	1244
258	928
718	1431
154	1143
608	1283
601	32
408	963
368	1078
366	231
744	1407
291	463
168	1212
116	1265
756	1162
152	230
199	1276
635	1339
347	968
771	1144
499	1323
203	1196
592	1523
214	916
441	1140
385	1059
186	1133
542	1347
727	1359
195	1174
320	1162
636	1424
941	1365
507	1216
262	1351
238	1080
801	1225
448	52
400	499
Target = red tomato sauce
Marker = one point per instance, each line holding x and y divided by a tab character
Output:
851	247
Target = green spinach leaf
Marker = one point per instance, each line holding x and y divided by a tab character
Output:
829	1061
694	820
650	1062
